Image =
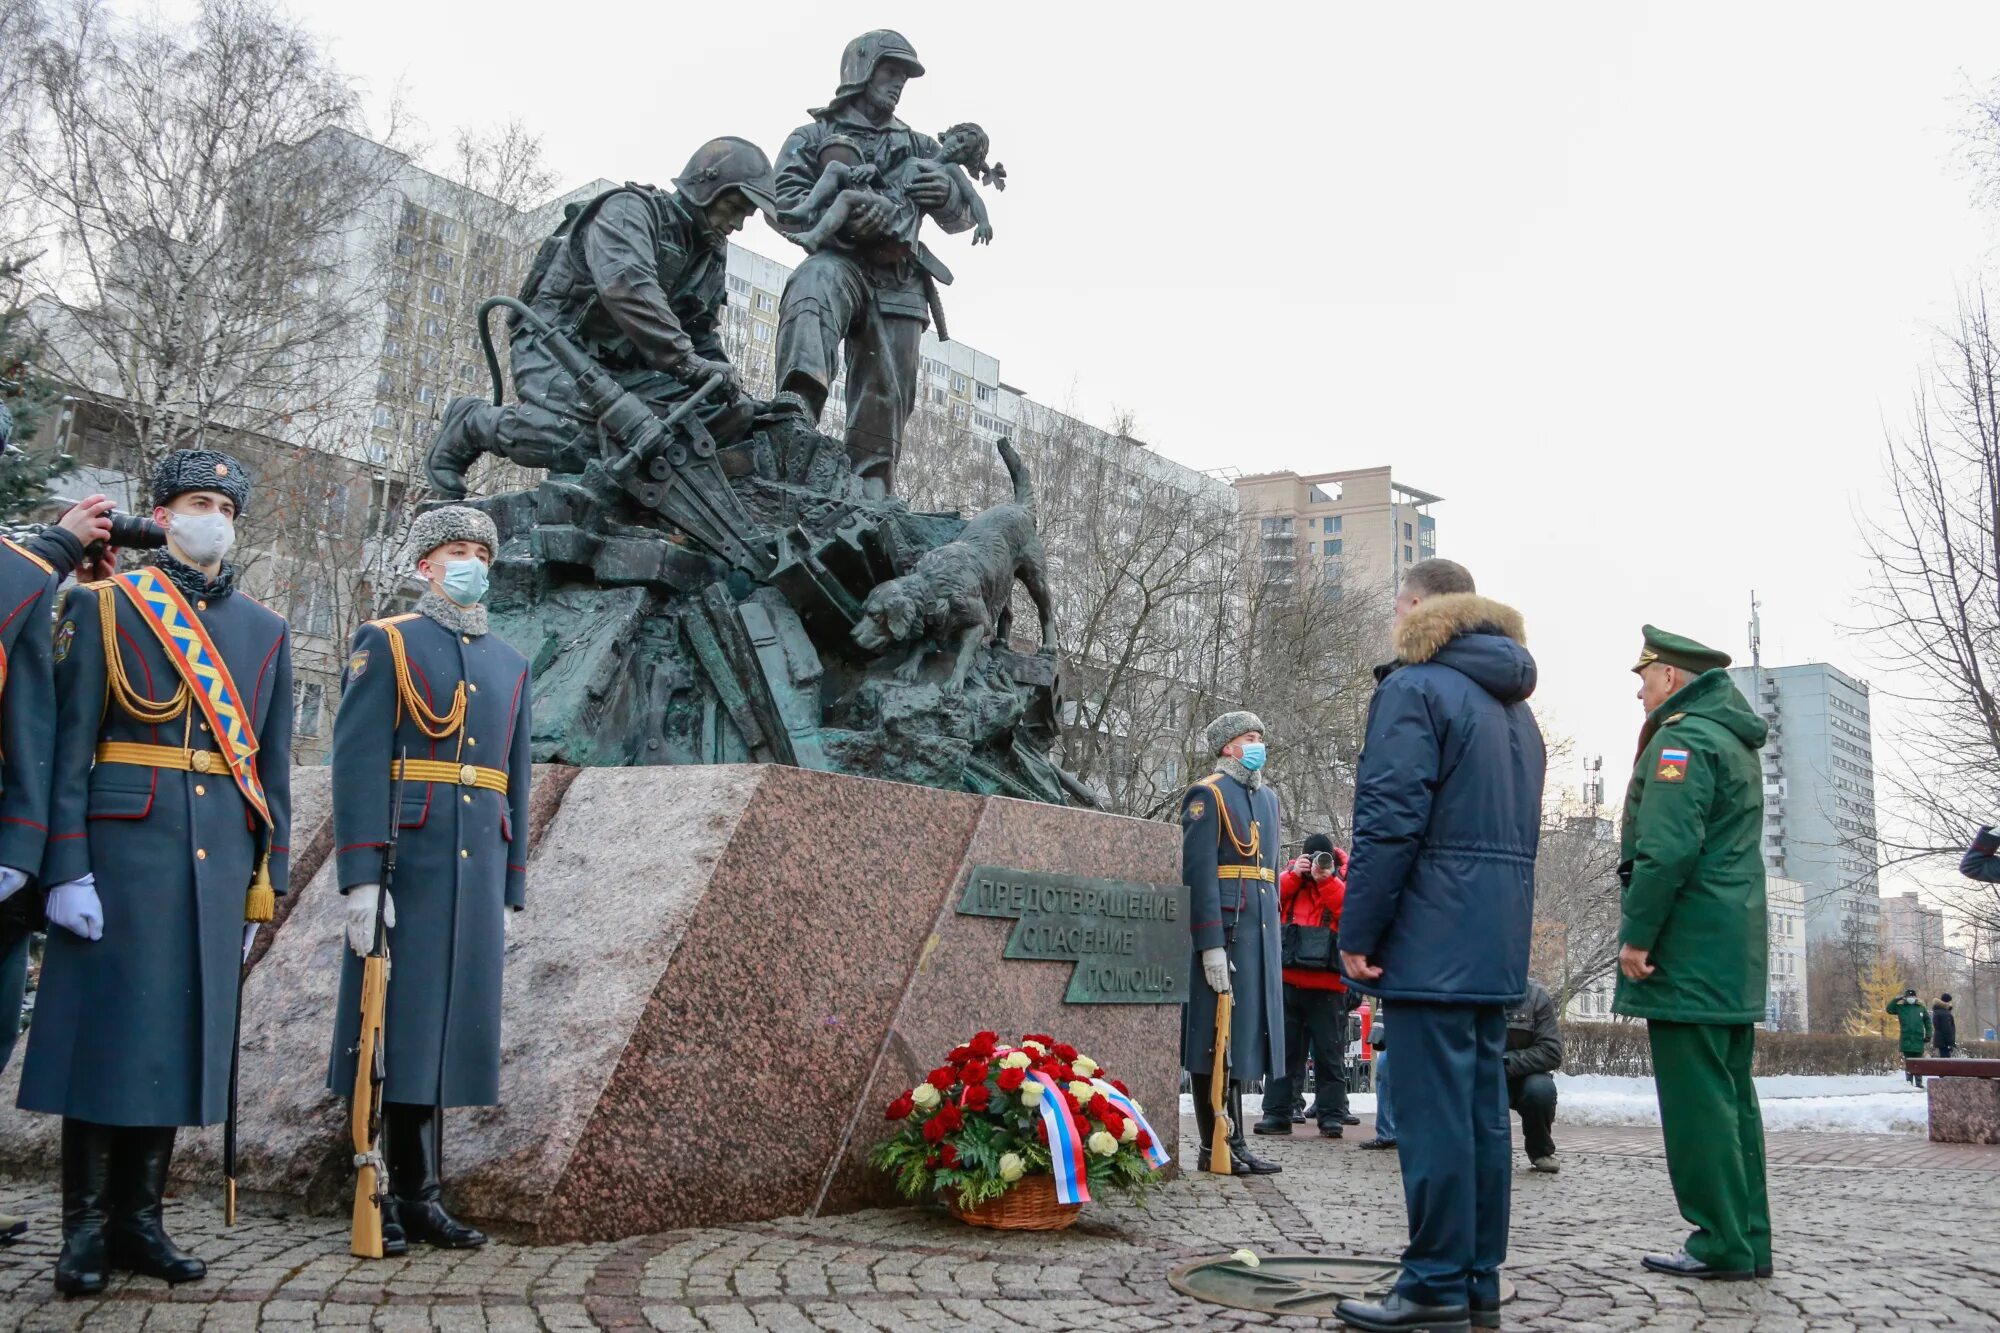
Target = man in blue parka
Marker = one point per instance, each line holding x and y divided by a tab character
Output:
169	814
1440	898
434	698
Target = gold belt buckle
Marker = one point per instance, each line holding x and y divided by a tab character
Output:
202	760
467	775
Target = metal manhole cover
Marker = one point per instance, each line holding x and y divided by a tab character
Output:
1291	1284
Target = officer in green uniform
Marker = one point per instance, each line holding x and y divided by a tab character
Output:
1693	958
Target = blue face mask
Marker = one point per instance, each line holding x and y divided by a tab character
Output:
465	580
1253	755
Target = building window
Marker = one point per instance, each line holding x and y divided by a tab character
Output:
764	301
1330	523
958	411
761	332
312	607
385	418
958	384
437	293
311	703
447	230
465	373
395	318
392	347
412	215
427	393
1408	557
441	262
405	245
740	286
399	282
1407	533
434	327
985	393
1330	548
385	383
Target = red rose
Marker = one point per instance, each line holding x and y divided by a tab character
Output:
1120	1085
1062	1074
977	1097
1144	1141
1041	1129
935	1129
984	1044
1113	1122
1012	1079
959	1055
975	1072
941	1079
949	1154
1064	1052
1075	1107
948	1116
1042	1037
900	1108
931	1161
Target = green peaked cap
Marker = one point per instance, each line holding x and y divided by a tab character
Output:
1676	651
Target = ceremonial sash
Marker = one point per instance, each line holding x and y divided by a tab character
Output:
1065	1143
1156	1153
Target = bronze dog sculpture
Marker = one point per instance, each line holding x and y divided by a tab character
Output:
959	593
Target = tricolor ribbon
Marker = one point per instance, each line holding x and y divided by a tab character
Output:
1065	1142
1156	1152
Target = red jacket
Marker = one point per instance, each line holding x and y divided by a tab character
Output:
1318	905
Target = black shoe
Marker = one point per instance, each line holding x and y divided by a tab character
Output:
1298	1117
1332	1131
12	1228
1682	1264
1378	1143
1350	1120
82	1269
1483	1316
394	1241
413	1136
1765	1270
456	447
1204	1122
137	1239
1396	1314
1269	1126
1259	1166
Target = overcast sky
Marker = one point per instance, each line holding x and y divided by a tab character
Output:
1635	287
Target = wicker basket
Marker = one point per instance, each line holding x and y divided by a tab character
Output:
1030	1206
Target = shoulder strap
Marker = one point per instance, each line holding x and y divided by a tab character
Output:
26	554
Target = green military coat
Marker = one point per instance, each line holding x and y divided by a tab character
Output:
1915	1032
1693	868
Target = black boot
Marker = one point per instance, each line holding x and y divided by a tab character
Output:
137	1236
1240	1146
1204	1121
394	1241
86	1185
465	434
414	1135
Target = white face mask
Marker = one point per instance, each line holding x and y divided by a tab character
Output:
204	538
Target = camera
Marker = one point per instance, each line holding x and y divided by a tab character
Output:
136	533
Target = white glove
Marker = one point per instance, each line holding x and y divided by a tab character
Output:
249	938
74	907
361	916
1215	966
11	881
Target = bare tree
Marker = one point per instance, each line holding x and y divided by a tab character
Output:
1935	598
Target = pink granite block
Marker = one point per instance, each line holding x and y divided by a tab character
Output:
1964	1110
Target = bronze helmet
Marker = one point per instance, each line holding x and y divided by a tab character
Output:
724	164
864	53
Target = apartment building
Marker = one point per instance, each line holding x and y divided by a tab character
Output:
1785	1000
1913	933
1358	529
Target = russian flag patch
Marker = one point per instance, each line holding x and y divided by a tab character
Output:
1673	766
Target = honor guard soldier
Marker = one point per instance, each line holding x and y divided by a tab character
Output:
170	807
431	698
1229	861
1693	949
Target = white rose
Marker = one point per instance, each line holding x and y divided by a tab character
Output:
1103	1144
1017	1060
925	1097
1247	1257
1082	1091
1084	1065
1031	1094
1035	1046
1012	1168
1130	1132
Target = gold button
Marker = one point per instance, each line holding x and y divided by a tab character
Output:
201	606
470	741
470	686
202	760
204	726
201	853
200	790
467	775
466	799
465	638
463	853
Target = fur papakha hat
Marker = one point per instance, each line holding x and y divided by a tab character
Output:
1228	727
452	523
187	470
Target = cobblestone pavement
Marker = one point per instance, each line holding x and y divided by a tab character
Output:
1874	1233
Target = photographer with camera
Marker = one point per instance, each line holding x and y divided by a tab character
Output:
1310	893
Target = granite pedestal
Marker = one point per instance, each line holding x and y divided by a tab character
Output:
1964	1099
722	976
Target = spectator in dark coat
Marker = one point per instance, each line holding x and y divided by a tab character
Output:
1309	897
1440	895
1534	1053
1982	859
1944	1027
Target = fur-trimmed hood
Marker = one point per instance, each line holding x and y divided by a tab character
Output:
1484	639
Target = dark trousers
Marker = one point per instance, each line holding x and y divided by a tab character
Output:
1534	1097
1455	1148
1715	1139
1945	1049
1318	1016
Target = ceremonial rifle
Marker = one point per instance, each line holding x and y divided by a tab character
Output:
371	1069
1218	1088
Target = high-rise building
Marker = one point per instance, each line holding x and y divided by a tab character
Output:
1913	931
1360	529
1785	996
1819	792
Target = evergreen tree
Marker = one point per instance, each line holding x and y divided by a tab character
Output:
26	402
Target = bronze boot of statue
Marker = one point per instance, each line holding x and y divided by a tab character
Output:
467	432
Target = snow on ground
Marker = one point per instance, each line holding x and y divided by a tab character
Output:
1842	1104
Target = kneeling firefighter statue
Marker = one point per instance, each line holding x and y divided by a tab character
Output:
436	707
633	278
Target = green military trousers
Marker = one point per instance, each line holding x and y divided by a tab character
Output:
1715	1139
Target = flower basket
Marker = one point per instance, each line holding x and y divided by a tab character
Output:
1017	1137
1029	1206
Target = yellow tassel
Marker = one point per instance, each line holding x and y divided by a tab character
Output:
262	904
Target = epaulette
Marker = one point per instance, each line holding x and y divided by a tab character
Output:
387	621
98	586
26	554
1675	718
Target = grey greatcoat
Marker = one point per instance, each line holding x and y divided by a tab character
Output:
27	743
461	860
1220	818
137	1028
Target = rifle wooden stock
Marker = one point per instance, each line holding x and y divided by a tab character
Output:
365	1111
1218	1088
